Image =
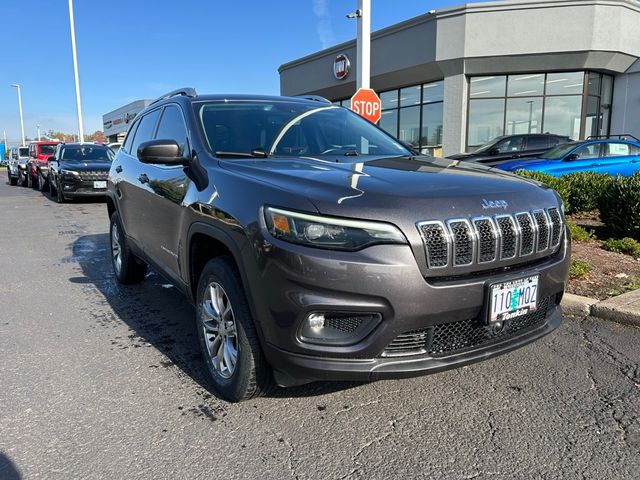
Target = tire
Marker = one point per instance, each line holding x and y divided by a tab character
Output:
29	180
127	267
59	195
250	376
42	183
22	179
53	191
13	180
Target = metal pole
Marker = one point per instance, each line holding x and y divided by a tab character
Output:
17	86
363	73
38	132
4	136
75	71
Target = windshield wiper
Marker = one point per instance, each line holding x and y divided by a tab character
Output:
255	153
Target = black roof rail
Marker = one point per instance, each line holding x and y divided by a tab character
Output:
620	136
315	98
185	91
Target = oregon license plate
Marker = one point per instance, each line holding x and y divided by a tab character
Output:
513	299
100	184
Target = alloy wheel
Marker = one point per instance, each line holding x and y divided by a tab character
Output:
219	328
116	248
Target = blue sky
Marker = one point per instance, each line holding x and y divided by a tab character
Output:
132	49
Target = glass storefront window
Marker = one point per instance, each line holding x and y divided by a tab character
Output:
431	134
409	130
482	87
593	117
410	96
389	99
562	115
526	85
486	120
568	83
524	115
389	121
433	92
593	87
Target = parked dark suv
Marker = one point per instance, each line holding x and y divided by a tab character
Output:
315	246
508	147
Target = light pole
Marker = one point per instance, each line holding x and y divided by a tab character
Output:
38	132
75	71
530	102
17	86
363	43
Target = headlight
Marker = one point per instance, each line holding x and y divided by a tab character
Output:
327	232
72	173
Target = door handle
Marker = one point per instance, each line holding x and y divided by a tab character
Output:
595	164
119	169
143	178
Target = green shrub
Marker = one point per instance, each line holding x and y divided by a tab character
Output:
579	268
585	189
558	184
580	234
619	206
626	245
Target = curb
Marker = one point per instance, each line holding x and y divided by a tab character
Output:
624	308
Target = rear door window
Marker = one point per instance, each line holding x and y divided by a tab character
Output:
145	131
537	142
618	149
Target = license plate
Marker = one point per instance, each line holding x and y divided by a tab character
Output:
513	299
101	184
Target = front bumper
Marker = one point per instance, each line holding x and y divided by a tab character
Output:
76	187
294	281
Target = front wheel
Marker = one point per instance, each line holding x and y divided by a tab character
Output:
42	183
228	337
12	180
127	267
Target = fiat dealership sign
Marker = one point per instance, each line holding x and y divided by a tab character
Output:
341	66
367	104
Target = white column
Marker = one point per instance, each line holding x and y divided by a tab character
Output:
363	72
75	71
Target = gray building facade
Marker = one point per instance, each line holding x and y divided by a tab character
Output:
116	123
453	79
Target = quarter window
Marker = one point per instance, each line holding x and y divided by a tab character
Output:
620	150
127	141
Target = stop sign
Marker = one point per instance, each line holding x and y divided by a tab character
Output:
367	104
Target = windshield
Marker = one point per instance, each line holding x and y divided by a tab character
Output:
47	149
87	154
556	153
24	152
291	129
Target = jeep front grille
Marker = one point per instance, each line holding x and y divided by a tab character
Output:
93	175
461	242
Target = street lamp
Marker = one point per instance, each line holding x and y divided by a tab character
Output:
17	86
75	71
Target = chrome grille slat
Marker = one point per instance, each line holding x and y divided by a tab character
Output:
462	242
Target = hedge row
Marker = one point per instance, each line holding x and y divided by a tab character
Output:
617	198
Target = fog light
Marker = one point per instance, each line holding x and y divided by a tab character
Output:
316	320
338	328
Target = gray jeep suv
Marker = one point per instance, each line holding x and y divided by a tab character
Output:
316	246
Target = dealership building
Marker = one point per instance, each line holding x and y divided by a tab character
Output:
453	79
116	123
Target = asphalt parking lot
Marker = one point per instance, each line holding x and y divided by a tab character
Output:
102	381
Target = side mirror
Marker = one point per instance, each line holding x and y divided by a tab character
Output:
161	152
573	156
494	151
52	158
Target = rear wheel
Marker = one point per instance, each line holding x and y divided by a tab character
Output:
228	337
127	267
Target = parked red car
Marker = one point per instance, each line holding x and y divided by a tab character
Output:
37	167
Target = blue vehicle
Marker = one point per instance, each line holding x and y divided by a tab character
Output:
614	156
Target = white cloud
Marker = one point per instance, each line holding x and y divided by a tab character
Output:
323	24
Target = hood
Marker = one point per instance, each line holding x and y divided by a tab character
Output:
459	156
417	188
85	166
530	163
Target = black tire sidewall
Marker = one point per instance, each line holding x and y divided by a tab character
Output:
242	384
132	270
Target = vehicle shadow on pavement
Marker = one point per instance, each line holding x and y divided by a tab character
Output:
8	470
157	314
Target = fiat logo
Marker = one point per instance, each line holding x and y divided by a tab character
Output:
341	66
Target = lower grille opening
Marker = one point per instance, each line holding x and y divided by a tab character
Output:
455	337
